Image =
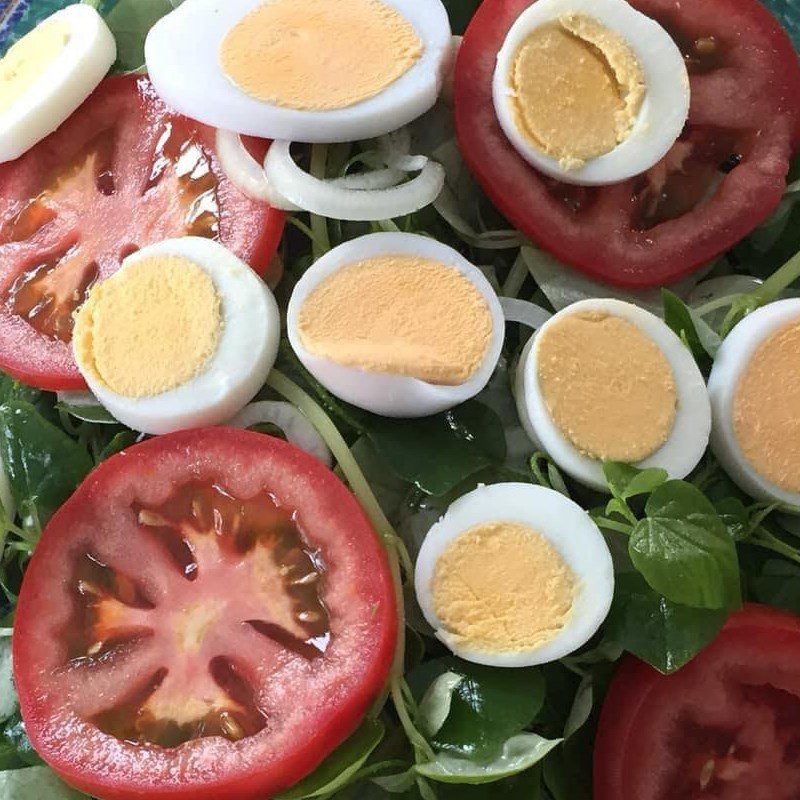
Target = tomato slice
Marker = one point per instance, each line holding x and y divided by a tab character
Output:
723	177
123	172
208	617
724	727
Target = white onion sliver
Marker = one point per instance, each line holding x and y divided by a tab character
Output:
524	313
329	200
299	431
78	399
245	172
369	181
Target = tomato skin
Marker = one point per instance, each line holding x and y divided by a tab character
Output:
209	768
600	239
760	642
106	222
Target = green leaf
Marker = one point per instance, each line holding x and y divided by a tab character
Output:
14	390
581	710
526	785
14	735
435	706
8	696
664	634
625	481
684	551
120	442
488	706
438	453
778	584
735	516
691	329
460	12
44	465
517	754
95	414
35	783
339	768
130	22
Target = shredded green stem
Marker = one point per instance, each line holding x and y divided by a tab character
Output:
304	229
767	541
422	750
714	305
320	241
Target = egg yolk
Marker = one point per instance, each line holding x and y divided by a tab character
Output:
399	314
607	386
501	587
576	89
27	61
766	409
319	55
151	327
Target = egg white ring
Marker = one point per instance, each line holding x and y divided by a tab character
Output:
559	520
192	34
246	351
71	77
733	358
379	392
664	110
688	439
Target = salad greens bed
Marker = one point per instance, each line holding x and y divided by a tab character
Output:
686	552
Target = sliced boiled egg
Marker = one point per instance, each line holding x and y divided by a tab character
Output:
755	397
514	575
590	91
48	73
301	70
604	380
397	324
182	336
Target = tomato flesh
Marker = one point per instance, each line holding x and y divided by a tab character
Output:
210	614
122	173
724	727
723	177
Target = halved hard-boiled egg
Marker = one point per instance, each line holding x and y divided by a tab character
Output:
301	70
48	73
182	336
590	91
514	575
755	397
604	380
397	324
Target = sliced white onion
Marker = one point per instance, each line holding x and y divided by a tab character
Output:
245	172
78	399
369	181
299	431
524	313
326	198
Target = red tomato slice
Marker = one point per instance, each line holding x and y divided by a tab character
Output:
123	172
208	617
724	727
723	177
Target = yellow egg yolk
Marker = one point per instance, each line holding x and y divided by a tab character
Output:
151	327
319	55
501	587
607	386
576	89
28	60
399	314
766	409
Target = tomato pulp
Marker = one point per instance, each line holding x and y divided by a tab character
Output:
724	727
723	177
209	616
121	173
